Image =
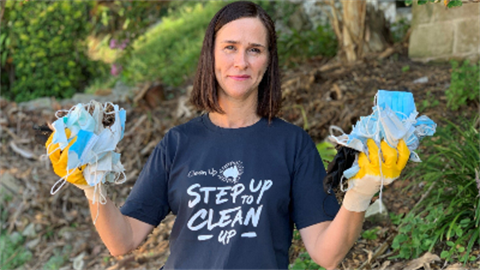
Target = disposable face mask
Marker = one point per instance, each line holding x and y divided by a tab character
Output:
95	172
392	127
79	152
59	135
401	103
80	119
425	127
346	140
351	172
97	116
394	117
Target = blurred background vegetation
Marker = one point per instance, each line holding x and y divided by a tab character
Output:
51	48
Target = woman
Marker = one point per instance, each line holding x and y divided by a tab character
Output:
237	177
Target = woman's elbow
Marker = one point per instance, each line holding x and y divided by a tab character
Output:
119	250
328	263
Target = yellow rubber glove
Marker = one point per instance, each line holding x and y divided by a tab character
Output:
59	159
368	180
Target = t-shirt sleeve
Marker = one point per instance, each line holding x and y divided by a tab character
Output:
310	203
148	200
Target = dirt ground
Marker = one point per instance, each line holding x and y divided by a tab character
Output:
317	94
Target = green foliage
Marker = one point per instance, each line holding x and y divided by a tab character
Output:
399	29
302	45
450	214
370	234
59	258
429	102
327	151
13	254
451	3
42	46
170	50
405	68
121	20
303	261
464	84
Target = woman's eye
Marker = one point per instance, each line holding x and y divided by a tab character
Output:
230	47
255	50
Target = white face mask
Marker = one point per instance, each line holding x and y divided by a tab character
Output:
80	119
80	152
59	136
394	117
392	127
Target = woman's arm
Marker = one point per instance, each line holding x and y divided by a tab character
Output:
121	234
328	242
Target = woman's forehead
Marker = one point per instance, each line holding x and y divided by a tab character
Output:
250	30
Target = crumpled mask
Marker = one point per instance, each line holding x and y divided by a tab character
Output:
79	119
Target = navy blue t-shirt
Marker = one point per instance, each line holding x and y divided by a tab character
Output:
237	193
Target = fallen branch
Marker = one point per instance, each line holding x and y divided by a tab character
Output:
22	152
142	93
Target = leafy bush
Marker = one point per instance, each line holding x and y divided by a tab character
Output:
42	47
170	50
450	213
302	45
464	84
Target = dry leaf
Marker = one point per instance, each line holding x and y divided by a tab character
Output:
423	261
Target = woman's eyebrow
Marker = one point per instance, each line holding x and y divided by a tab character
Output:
236	42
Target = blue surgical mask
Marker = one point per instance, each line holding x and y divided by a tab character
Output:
401	103
80	151
80	119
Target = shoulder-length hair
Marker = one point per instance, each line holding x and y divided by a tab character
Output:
205	88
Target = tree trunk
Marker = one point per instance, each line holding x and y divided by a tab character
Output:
353	28
364	29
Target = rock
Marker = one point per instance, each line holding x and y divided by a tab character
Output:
421	80
33	243
16	238
36	104
78	262
374	215
29	231
121	92
8	185
85	98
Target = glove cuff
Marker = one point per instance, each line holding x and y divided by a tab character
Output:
355	201
92	194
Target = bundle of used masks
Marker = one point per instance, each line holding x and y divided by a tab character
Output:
394	117
89	133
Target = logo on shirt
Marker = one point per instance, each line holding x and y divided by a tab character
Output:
231	172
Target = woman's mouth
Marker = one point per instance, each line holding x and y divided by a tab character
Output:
239	77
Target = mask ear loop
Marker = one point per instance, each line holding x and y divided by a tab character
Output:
117	176
53	191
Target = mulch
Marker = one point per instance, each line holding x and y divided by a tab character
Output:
317	94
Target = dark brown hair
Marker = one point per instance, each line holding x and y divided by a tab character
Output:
205	95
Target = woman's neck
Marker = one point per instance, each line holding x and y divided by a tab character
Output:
237	114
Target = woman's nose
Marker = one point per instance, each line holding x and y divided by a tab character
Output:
241	60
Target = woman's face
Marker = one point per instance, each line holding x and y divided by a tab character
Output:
241	58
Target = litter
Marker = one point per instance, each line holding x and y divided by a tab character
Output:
83	144
394	118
